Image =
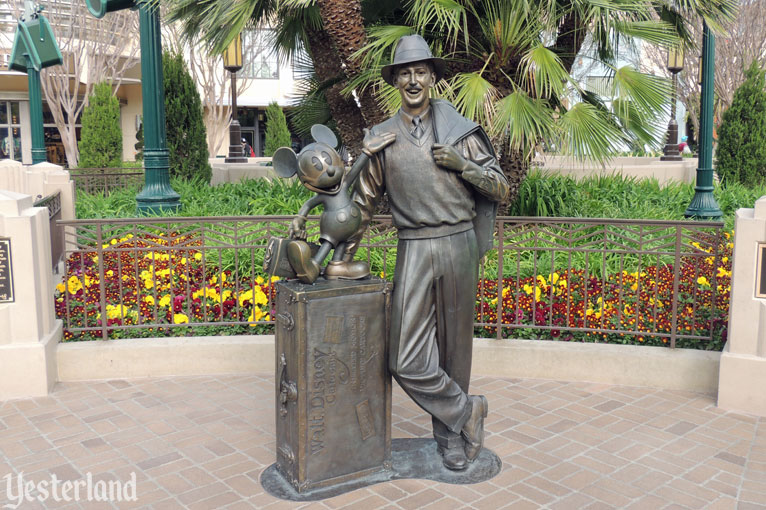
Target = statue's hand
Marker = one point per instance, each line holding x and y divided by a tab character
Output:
376	143
448	157
297	228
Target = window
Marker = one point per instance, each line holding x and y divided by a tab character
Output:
10	130
259	60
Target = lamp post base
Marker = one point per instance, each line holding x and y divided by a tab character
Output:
704	206
235	144
157	196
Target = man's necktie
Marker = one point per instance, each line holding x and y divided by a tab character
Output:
417	127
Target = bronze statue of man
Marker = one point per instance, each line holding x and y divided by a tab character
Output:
443	184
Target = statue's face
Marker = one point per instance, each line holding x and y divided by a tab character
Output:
321	166
414	81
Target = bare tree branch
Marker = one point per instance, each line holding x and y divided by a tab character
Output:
93	50
745	42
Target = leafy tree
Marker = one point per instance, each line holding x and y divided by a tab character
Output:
101	135
277	133
742	135
186	137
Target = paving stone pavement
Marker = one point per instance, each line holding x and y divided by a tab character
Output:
202	443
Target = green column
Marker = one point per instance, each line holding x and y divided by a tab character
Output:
36	114
157	193
704	205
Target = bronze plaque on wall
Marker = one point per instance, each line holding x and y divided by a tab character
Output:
760	271
6	271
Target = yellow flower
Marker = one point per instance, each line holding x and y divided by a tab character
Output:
703	281
116	312
148	283
149	300
259	280
259	298
165	300
527	288
61	288
197	256
183	260
723	272
245	296
255	315
274	279
554	278
493	302
110	273
73	284
95	258
506	291
113	242
541	280
537	293
180	318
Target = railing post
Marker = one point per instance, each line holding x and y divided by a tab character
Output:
101	287
676	280
499	227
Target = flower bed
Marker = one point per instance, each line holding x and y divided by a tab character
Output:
172	286
624	307
155	285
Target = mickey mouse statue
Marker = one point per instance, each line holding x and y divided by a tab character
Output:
320	169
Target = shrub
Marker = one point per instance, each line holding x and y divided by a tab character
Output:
186	134
742	135
101	135
277	134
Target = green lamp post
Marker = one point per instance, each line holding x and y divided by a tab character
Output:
704	206
157	194
35	48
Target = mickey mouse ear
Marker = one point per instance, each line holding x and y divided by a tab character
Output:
323	134
285	162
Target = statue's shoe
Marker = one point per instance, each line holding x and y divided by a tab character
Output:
454	458
341	270
299	256
473	430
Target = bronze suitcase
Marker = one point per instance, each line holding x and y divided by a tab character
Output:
333	388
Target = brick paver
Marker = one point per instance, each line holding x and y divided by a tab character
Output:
202	442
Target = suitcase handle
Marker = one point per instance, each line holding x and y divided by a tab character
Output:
288	391
286	320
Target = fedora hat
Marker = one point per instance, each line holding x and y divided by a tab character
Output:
412	48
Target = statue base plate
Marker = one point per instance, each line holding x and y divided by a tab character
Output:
410	458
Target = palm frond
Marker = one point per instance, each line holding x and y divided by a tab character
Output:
587	133
474	97
648	92
636	124
309	106
448	15
523	120
543	68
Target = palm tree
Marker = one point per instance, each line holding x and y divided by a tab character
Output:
300	25
511	61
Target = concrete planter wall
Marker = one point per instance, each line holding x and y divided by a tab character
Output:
655	367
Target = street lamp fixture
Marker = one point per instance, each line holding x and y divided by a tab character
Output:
232	62
675	65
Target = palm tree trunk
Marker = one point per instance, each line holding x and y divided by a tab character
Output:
515	167
327	66
342	19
